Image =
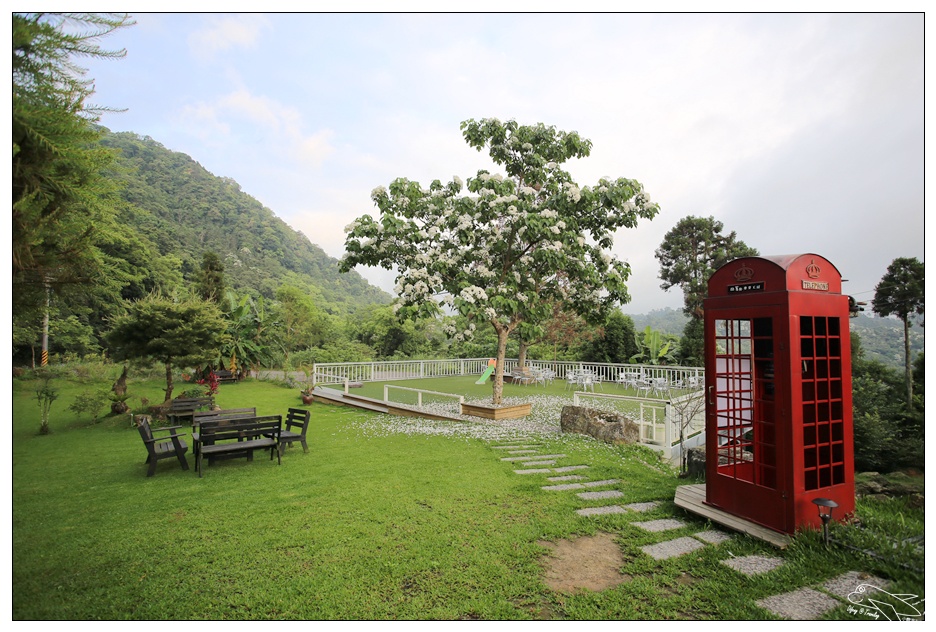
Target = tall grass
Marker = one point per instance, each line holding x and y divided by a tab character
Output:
378	521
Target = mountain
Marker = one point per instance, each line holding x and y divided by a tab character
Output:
666	320
186	211
881	338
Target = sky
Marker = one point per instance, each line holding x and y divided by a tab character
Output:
801	132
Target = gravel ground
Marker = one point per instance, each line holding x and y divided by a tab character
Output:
543	421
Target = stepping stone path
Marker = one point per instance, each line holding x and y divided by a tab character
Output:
753	564
610	493
660	525
672	548
568	486
804	604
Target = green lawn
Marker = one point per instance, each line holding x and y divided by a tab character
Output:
378	521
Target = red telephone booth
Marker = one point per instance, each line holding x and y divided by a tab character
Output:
778	391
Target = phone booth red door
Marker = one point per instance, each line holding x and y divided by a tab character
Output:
742	362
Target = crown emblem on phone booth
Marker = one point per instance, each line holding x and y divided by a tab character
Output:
744	273
812	270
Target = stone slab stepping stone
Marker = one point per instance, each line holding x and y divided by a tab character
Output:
609	493
597	511
521	452
848	583
540	463
672	548
660	525
642	506
753	564
570	477
610	481
533	457
804	604
515	447
712	537
563	488
568	486
557	470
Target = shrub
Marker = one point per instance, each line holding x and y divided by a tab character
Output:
90	402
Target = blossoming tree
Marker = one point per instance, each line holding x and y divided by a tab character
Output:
502	249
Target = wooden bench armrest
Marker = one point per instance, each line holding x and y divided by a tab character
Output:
171	437
166	428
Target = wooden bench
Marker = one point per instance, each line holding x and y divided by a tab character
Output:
158	448
296	426
200	416
183	408
237	438
225	376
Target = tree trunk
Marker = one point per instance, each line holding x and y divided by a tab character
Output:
522	354
908	373
168	380
120	386
502	333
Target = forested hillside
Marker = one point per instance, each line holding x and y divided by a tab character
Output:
881	338
186	211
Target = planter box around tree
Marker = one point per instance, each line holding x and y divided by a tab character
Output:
496	412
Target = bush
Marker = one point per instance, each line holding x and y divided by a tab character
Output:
90	402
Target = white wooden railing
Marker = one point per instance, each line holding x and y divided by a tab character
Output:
338	372
658	418
419	393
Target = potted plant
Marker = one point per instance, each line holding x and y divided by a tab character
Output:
306	393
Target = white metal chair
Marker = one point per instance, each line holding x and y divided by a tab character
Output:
643	387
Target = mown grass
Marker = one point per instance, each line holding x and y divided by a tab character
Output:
371	524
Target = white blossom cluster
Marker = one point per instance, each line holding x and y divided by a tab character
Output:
473	293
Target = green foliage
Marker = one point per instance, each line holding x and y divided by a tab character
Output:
654	348
692	344
378	327
514	246
179	334
882	339
901	293
183	211
249	342
887	438
300	322
63	209
90	402
210	280
45	395
901	289
691	251
616	344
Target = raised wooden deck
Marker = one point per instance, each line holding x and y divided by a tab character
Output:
692	499
331	396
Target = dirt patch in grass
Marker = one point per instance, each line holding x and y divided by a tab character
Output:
590	562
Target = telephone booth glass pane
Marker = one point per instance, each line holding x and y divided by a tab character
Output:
823	422
744	400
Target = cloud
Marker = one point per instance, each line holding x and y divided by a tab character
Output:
225	32
798	131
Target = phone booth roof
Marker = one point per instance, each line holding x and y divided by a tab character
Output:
779	273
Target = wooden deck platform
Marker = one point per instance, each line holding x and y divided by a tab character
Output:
692	499
338	398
